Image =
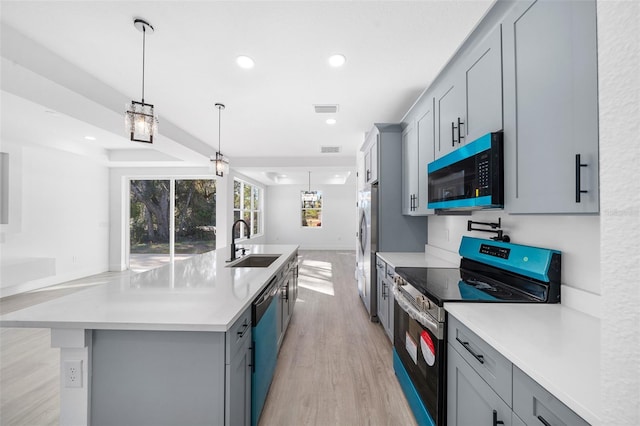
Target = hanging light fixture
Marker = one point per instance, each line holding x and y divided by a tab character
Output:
221	163
140	120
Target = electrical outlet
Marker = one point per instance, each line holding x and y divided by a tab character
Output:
73	373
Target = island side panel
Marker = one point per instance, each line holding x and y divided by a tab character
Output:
157	377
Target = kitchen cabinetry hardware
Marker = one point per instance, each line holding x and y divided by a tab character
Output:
543	421
579	167
494	229
242	332
479	357
496	422
460	137
453	134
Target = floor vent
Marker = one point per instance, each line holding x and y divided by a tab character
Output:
326	109
329	149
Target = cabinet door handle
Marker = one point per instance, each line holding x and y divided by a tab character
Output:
460	137
253	357
384	293
496	422
368	175
479	357
579	167
453	134
543	421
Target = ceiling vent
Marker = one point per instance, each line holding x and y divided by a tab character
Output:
326	109
329	149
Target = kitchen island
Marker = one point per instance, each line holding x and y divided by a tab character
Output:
157	345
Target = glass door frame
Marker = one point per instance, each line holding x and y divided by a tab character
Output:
172	205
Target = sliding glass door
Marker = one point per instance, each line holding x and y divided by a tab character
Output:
156	236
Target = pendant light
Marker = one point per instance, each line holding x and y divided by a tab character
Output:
140	120
221	163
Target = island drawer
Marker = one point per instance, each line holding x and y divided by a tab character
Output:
494	368
238	334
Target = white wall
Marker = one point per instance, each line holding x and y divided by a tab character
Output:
339	222
619	109
577	237
58	218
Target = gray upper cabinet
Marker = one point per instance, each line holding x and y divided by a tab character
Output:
409	169
550	107
483	81
418	140
469	97
450	107
370	148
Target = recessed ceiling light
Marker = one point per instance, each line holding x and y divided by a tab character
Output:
331	121
90	138
283	176
245	62
337	60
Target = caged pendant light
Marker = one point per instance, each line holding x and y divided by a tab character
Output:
141	121
221	163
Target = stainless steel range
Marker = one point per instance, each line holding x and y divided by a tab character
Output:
490	272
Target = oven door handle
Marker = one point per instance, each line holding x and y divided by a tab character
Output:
422	317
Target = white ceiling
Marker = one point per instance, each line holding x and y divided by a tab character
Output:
82	59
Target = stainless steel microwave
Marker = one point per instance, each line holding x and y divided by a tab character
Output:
469	178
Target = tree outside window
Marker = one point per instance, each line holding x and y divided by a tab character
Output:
311	209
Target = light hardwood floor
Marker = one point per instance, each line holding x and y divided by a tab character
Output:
334	366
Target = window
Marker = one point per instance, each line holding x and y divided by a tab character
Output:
247	205
311	209
193	203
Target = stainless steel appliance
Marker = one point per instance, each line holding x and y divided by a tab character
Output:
381	224
265	347
469	178
490	271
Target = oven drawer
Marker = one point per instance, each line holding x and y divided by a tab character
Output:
535	405
494	368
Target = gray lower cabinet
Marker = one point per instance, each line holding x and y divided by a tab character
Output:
470	400
484	388
384	274
536	406
551	107
238	372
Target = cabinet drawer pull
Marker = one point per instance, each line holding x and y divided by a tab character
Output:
496	422
543	421
479	357
241	333
579	167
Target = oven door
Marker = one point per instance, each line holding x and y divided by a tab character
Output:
420	348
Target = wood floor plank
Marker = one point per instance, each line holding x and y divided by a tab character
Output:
335	366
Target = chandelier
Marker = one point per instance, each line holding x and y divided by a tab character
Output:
221	163
140	120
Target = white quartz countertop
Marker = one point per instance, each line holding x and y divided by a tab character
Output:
556	346
414	260
200	293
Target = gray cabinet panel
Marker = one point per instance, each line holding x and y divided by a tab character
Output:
238	385
483	78
426	146
534	404
550	86
409	169
450	106
494	368
134	371
470	400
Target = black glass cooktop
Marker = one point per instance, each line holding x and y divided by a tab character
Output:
454	284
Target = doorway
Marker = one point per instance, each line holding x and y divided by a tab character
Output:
156	236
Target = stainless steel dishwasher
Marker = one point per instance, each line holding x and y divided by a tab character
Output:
264	312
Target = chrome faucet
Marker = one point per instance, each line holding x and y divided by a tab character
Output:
233	239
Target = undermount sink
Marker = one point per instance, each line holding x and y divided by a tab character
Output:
255	261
